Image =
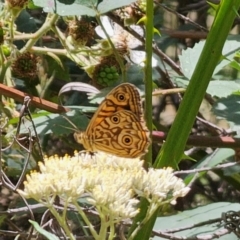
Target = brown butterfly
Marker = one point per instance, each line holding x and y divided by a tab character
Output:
118	126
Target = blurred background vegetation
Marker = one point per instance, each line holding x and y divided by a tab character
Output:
44	47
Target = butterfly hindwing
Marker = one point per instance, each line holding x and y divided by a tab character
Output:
122	132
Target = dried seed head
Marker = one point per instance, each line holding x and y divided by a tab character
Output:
25	67
81	31
17	3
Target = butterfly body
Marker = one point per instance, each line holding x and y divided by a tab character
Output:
118	126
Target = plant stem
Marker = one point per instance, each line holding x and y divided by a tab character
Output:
148	73
50	21
86	220
61	220
145	231
118	58
173	148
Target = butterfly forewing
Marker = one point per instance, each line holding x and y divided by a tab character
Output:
123	97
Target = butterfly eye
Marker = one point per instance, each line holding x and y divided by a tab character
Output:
115	119
127	140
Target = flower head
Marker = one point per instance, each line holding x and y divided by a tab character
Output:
111	183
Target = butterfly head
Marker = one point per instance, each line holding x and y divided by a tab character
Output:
82	138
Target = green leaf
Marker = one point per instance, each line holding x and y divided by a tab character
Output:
229	109
31	5
195	216
218	157
87	3
45	233
222	88
189	57
143	206
25	23
235	64
218	88
56	58
79	7
67	2
109	5
57	124
55	65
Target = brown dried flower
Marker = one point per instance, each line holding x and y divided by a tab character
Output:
17	3
25	67
81	31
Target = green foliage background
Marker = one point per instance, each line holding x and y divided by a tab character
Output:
202	68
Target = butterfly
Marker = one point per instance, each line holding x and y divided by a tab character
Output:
118	126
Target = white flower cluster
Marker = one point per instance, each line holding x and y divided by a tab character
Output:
113	185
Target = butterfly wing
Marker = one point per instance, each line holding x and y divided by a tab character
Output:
123	97
124	100
121	134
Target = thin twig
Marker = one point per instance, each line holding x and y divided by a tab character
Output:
187	19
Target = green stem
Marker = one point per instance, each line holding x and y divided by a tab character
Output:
86	220
4	69
144	227
112	229
44	86
148	73
172	150
61	220
116	54
80	59
50	21
104	223
145	231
